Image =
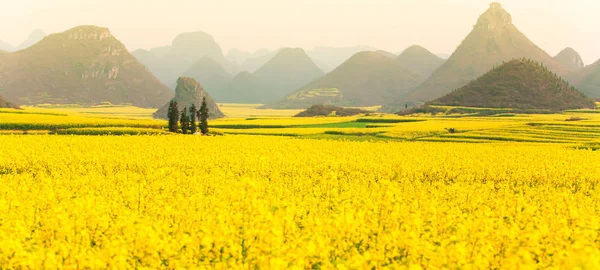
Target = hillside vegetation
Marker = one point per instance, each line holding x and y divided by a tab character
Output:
366	79
420	61
518	84
588	80
84	65
5	104
289	69
327	110
494	39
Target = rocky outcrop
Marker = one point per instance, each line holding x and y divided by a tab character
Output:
493	41
84	65
189	92
170	62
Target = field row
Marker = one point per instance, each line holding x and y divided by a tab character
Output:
575	128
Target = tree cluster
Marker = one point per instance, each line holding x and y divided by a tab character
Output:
186	121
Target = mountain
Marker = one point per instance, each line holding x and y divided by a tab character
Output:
518	84
238	56
332	57
213	77
570	59
243	88
253	63
188	92
494	39
386	53
84	65
588	80
419	60
33	38
160	51
6	104
6	47
289	69
366	79
170	62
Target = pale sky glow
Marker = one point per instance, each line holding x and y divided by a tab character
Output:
392	25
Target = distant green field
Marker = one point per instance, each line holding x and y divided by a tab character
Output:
578	128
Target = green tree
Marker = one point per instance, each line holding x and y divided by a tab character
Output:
173	115
193	112
204	114
184	121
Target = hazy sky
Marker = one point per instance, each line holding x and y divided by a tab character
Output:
392	25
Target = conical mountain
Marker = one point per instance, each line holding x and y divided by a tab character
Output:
211	75
419	60
33	38
570	59
332	57
493	40
518	84
366	79
288	70
169	62
84	65
188	92
588	80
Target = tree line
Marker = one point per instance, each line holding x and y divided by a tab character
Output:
186	119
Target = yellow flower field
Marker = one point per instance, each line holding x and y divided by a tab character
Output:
272	202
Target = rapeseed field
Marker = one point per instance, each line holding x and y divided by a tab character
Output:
273	202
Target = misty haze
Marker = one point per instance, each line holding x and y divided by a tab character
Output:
307	135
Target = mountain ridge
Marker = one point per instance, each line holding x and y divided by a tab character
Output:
83	65
188	92
366	79
518	84
419	60
494	39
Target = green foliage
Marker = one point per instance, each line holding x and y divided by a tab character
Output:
184	121
204	115
173	116
189	91
328	110
493	39
6	104
589	82
519	84
387	120
193	119
82	70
